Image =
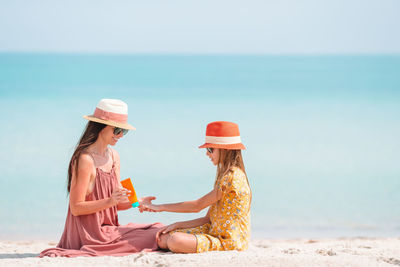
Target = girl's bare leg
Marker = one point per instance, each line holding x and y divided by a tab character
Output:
162	241
178	242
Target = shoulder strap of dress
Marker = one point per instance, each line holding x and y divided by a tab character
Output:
112	156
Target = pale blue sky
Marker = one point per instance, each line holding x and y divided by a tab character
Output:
207	26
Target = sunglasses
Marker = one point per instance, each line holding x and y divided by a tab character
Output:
210	150
117	131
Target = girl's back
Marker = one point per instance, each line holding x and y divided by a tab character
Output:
230	216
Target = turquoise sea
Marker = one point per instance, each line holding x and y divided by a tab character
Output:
322	134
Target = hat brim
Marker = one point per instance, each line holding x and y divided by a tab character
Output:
111	123
224	146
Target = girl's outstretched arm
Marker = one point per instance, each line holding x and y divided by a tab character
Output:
188	206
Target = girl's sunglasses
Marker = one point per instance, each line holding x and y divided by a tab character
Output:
210	150
117	131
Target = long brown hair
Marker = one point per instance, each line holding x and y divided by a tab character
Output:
229	158
89	136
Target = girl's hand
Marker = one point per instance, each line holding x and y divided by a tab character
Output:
145	201
166	229
119	195
152	208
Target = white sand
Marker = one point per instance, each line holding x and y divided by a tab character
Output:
266	252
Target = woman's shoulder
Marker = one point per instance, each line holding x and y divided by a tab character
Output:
85	158
84	162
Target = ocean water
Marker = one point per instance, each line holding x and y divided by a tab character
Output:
322	136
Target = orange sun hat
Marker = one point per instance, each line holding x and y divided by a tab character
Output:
223	134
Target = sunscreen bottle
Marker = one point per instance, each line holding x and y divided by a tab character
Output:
127	184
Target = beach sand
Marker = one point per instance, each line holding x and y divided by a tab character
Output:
265	252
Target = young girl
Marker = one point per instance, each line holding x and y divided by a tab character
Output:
227	223
95	192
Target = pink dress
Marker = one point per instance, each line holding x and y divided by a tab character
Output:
100	234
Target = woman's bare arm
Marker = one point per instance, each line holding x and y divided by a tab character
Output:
79	187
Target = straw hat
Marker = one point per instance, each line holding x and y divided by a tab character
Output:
223	134
112	112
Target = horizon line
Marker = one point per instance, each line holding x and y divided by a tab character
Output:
196	54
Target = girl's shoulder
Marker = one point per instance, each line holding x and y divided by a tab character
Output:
237	172
234	174
234	179
238	177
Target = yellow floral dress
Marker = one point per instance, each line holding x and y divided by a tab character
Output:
229	227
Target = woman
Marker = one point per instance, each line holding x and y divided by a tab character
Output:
227	223
95	192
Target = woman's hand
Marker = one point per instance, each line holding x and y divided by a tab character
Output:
145	201
166	229
119	195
